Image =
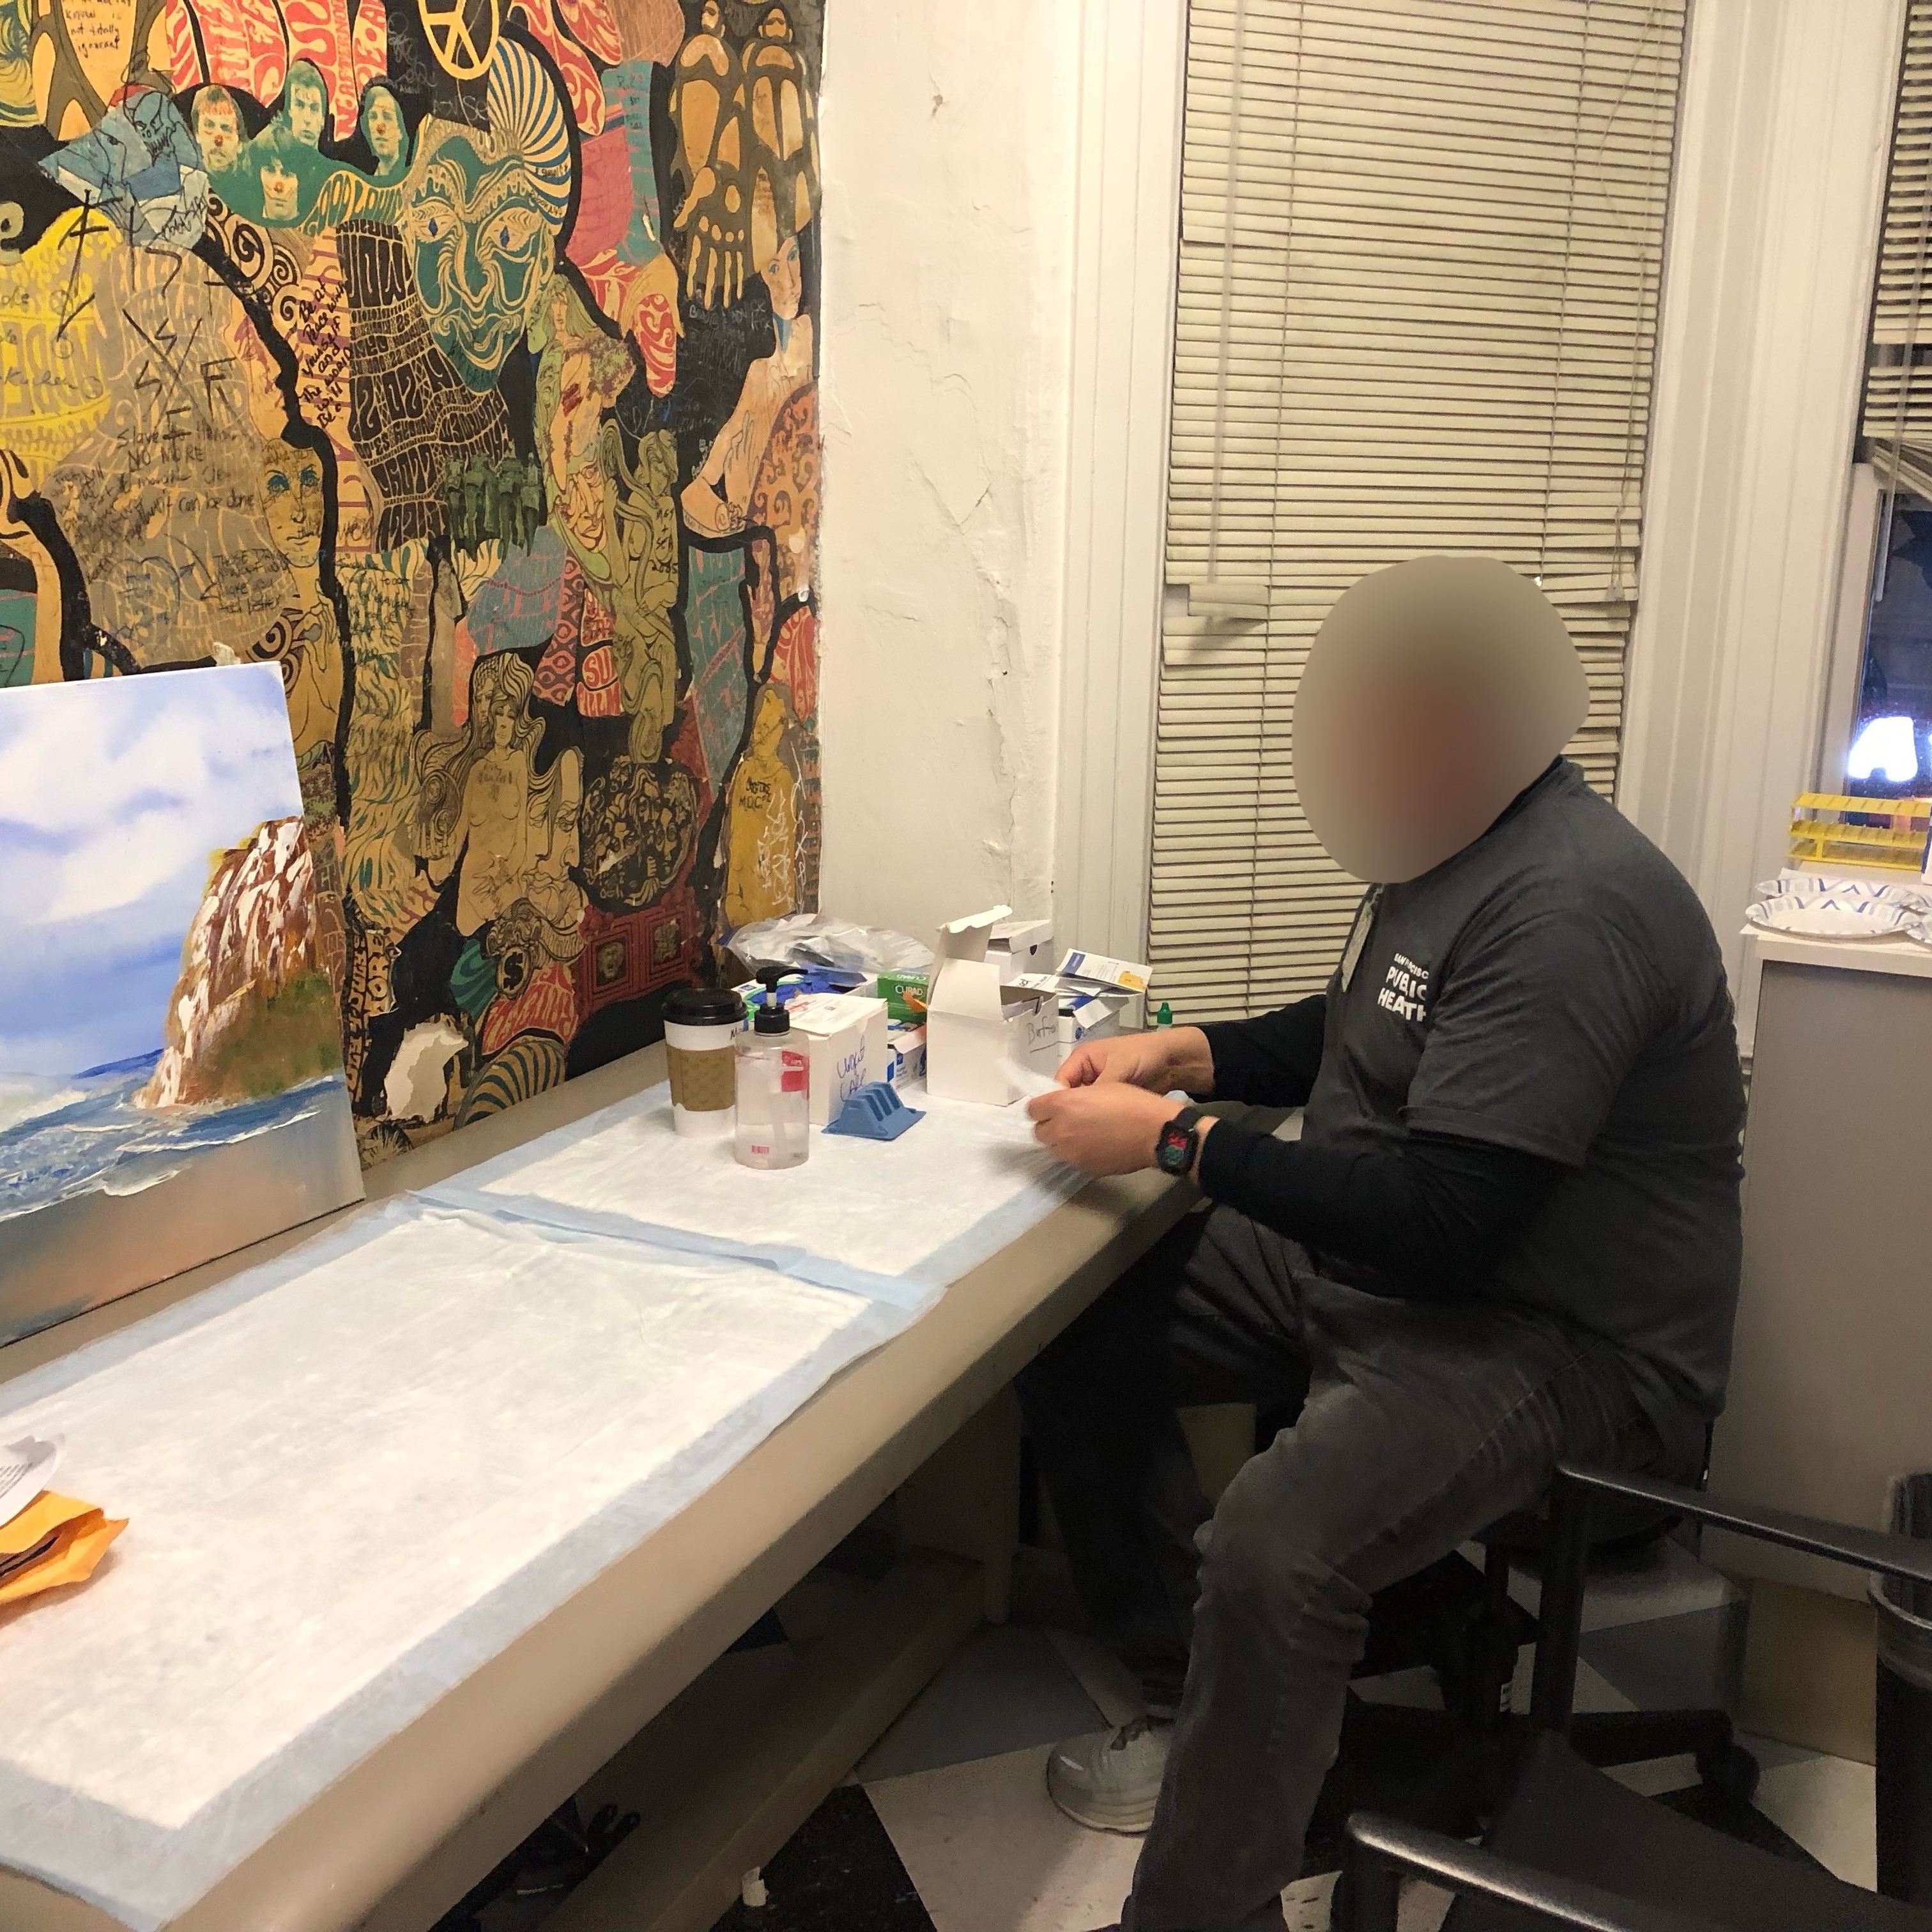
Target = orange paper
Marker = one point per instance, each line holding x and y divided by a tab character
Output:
82	1534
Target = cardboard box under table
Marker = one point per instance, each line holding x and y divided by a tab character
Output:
394	1805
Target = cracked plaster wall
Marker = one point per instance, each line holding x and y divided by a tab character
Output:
948	145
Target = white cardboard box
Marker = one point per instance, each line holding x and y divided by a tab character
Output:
1027	943
905	1050
1084	1015
845	1036
978	1026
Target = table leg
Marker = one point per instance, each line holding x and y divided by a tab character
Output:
965	1499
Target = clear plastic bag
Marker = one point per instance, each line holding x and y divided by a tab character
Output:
816	939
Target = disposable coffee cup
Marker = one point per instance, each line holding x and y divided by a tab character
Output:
700	1028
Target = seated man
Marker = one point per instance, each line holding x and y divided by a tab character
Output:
1508	1234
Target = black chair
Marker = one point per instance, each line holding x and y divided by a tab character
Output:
1381	1850
1453	1766
1566	1840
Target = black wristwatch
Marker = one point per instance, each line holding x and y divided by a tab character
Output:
1180	1141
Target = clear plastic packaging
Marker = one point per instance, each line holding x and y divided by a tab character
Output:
801	939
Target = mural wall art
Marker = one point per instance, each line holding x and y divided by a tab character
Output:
458	358
171	1083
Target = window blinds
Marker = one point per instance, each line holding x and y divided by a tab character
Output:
1421	243
1895	419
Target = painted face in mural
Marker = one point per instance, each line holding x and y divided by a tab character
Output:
307	106
783	279
217	129
281	192
768	728
556	813
384	130
566	850
507	770
481	248
292	503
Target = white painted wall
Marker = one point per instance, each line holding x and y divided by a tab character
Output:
1774	216
998	290
949	141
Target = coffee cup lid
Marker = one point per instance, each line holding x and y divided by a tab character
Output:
701	1006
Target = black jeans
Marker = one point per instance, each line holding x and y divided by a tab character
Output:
1423	1423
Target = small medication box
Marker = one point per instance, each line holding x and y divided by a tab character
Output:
983	1034
905	1050
1085	1015
845	1039
904	995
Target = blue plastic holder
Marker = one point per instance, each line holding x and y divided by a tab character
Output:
875	1112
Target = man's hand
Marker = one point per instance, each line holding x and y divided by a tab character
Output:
1108	1128
1168	1058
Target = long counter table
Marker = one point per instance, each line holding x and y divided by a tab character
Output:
392	1843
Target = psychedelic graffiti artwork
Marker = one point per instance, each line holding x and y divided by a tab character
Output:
456	357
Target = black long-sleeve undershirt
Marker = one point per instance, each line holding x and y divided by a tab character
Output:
1426	1217
1270	1061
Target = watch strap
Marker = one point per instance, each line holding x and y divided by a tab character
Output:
1182	1133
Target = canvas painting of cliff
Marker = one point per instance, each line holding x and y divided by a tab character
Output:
171	1082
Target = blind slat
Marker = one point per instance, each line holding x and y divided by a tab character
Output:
1421	247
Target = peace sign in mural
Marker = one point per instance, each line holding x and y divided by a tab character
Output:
462	34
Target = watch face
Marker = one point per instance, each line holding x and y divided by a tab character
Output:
1175	1148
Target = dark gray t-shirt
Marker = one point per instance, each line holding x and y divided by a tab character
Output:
1556	988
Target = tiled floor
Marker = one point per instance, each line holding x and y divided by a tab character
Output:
946	1827
958	1784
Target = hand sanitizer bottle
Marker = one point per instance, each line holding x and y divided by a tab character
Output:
772	1128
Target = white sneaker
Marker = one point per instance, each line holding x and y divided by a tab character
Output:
1108	1782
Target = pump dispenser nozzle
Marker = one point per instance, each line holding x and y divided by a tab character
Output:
772	1016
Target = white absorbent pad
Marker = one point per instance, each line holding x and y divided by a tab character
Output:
354	1474
895	1220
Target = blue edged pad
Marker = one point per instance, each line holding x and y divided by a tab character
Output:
875	1112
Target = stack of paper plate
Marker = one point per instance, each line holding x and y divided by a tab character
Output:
1822	908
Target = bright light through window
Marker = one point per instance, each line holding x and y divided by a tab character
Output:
1885	749
1895	699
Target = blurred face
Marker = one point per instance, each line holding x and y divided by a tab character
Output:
1435	691
1420	738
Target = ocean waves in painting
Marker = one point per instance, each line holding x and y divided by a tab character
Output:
63	1138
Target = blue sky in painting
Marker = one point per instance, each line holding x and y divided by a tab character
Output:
115	794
